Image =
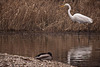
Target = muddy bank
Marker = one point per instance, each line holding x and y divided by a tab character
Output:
46	15
7	60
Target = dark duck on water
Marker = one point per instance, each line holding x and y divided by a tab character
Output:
44	56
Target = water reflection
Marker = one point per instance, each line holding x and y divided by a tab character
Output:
79	54
67	48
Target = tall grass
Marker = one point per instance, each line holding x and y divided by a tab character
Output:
46	15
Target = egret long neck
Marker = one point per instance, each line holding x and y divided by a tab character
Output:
69	12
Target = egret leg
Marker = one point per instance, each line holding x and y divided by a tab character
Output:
89	31
72	25
79	30
79	39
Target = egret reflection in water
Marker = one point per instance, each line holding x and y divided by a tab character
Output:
79	54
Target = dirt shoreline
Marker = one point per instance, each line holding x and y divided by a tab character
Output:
7	60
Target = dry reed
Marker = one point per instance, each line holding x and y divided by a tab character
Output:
46	15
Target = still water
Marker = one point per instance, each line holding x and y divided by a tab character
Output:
80	50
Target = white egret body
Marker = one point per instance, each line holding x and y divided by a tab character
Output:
77	17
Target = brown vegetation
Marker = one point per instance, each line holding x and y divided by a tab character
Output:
46	15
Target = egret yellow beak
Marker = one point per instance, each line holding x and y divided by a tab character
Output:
62	6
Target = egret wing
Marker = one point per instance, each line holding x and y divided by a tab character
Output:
82	18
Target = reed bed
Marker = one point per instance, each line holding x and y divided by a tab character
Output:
47	15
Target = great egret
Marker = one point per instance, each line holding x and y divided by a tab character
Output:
77	17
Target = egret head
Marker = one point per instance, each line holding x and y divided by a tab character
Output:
65	5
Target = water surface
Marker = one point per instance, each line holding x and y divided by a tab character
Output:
80	50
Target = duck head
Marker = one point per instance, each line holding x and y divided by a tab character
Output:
50	53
